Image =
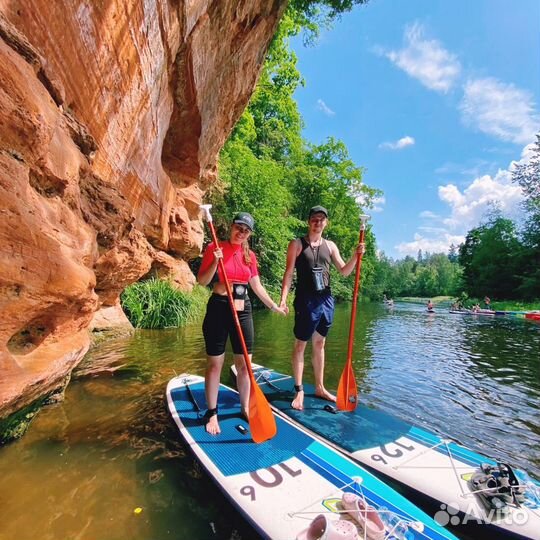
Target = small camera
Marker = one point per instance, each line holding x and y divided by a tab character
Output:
318	279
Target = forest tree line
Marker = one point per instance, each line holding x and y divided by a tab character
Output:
268	169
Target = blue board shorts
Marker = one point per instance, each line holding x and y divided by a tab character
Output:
313	313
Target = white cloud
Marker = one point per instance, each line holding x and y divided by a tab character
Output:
428	214
426	60
466	209
322	106
468	206
372	205
399	144
500	109
378	203
439	244
433	230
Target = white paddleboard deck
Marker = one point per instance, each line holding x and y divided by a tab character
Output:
281	485
437	468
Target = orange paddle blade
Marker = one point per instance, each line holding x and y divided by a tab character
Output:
347	392
262	423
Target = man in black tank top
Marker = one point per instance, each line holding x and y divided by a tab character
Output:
313	304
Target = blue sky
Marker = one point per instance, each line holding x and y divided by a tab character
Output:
436	99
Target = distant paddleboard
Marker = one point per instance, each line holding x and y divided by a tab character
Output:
472	312
283	484
496	500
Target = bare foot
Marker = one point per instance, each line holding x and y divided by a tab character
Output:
212	426
245	414
325	394
298	401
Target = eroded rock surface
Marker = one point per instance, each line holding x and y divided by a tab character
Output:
112	115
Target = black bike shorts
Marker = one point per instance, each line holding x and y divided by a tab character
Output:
219	324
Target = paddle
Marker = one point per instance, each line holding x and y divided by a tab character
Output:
347	392
261	419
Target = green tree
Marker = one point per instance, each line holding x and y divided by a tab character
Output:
268	169
489	259
311	15
453	253
527	175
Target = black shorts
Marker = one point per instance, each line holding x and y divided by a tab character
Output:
219	324
313	313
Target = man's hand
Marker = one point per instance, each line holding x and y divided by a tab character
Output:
360	249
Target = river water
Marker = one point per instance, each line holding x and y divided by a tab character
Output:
107	463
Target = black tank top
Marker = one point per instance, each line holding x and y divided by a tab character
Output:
309	258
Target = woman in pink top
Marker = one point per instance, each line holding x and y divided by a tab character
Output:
241	269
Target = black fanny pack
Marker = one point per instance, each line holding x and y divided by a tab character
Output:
239	291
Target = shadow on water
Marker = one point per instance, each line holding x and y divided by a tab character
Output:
86	464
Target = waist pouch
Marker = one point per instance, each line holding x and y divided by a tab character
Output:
239	291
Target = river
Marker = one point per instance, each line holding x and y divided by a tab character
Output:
107	463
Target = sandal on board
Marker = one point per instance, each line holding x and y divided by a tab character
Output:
365	515
322	528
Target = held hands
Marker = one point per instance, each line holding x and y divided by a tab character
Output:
283	305
279	309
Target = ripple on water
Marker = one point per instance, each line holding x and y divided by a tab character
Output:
111	446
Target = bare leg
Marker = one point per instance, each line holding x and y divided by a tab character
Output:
318	342
298	371
243	383
211	387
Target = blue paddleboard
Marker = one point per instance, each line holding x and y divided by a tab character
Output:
281	485
446	473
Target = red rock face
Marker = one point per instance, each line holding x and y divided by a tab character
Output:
112	115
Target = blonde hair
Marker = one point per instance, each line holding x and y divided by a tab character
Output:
247	252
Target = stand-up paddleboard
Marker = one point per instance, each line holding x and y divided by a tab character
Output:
283	484
484	312
496	501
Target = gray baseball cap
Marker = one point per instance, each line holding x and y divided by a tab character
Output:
243	218
318	210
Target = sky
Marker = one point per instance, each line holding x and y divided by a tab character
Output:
437	100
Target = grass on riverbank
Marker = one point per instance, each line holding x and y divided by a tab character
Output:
514	305
157	303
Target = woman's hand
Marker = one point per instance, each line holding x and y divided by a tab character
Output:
218	254
278	309
283	305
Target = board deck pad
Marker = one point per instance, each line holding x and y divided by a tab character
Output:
284	483
436	468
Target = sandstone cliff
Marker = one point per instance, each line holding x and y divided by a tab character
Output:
112	115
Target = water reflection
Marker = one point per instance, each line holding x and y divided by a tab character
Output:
110	447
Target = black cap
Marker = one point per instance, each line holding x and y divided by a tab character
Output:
317	210
246	219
